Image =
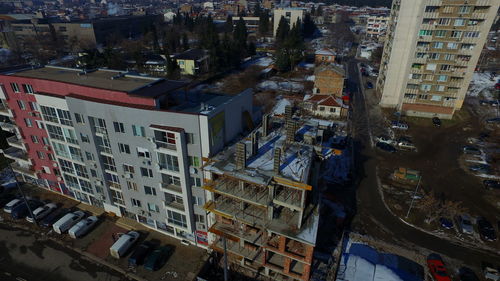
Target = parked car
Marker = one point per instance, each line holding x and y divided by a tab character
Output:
480	168
406	144
140	253
12	204
436	121
466	274
369	85
41	212
493	120
490	272
123	244
446	223
465	224
437	268
21	211
399	125
82	227
66	222
486	230
385	139
470	149
386	147
49	220
491	184
6	198
158	258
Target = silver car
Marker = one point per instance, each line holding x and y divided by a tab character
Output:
465	224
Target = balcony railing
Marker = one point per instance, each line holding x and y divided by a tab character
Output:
9	127
100	130
14	141
165	145
171	187
174	205
16	154
5	110
252	194
25	170
114	185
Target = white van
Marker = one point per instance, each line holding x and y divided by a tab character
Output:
123	243
67	221
82	227
11	205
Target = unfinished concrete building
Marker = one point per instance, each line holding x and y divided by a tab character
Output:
263	201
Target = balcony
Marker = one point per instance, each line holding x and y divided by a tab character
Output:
173	205
254	236
230	208
171	188
249	193
15	142
100	131
164	145
431	15
478	15
248	251
25	170
114	185
5	110
8	127
16	154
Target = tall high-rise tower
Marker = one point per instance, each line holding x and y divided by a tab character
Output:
431	51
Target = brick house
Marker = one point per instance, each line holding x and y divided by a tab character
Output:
329	80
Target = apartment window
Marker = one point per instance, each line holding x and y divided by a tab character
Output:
55	132
471	34
420	55
64	117
194	161
15	87
442	78
84	138
33	106
176	218
28	89
45	141
145	172
422	97
440	88
28	122
49	114
148	190
128	169
440	33
424	32
76	153
169	179
70	136
138	131
109	163
51	157
452	46
428	77
198	201
436	98
89	156
410	96
195	181
456	34
445	67
81	170
449	57
431	9
464	9
425	87
93	173
62	28
124	148
444	21
40	154
190	138
39	124
415	76
438	45
34	139
132	186
86	186
448	9
135	202
79	118
119	127
199	218
21	105
459	22
66	166
168	162
467	46
153	208
431	66
434	56
412	86
143	152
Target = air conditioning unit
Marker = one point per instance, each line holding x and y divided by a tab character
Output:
142	212
151	139
46	147
99	182
59	179
54	165
128	176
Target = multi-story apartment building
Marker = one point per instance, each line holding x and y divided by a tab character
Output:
132	145
376	25
292	15
264	199
431	50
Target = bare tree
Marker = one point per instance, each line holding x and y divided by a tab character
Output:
435	208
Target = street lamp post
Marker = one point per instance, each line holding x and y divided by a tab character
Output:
413	197
24	196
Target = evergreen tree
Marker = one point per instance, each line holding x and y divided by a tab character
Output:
257	10
263	23
251	49
228	26
173	70
319	11
185	41
309	27
240	33
282	31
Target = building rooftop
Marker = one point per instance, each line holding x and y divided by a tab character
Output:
104	79
191	54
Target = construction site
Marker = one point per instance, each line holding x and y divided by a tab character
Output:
264	207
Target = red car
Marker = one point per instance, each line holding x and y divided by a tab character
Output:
436	268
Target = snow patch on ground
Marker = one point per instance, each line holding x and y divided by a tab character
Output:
280	85
481	82
306	65
279	108
310	78
263	61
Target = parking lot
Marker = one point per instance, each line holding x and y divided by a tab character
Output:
184	262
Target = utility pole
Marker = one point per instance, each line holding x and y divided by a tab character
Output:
413	197
225	258
22	194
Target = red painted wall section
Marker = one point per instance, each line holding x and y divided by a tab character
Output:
64	89
26	132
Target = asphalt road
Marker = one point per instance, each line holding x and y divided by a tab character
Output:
29	257
372	216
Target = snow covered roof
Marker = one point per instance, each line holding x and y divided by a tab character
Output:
330	101
325	52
